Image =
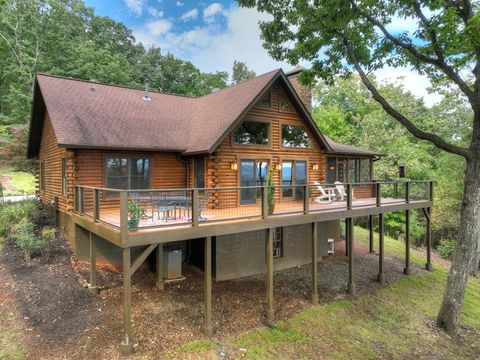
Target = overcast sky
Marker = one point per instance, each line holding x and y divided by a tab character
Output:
212	34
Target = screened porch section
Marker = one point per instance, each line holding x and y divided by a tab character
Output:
194	207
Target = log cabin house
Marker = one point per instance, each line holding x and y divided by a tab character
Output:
242	180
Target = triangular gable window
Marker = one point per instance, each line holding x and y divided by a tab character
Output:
284	104
266	100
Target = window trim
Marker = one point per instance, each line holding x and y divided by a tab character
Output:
126	156
64	177
310	146
269	134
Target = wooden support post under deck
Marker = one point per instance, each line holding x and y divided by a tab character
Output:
347	236
195	208
381	248
159	268
351	281
93	266
428	214
123	216
406	270
314	263
208	326
370	238
126	346
269	260
96	205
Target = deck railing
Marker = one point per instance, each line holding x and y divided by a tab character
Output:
193	207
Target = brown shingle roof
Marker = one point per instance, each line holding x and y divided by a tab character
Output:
91	115
348	149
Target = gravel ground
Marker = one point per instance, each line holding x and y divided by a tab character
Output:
63	320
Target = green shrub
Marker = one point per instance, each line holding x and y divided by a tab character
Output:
25	237
47	234
446	248
12	214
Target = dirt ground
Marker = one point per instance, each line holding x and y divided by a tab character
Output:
63	320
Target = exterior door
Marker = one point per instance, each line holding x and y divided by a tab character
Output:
247	178
300	175
252	173
294	173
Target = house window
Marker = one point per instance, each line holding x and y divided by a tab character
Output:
365	170
352	170
64	177
127	173
252	133
295	136
42	175
278	243
284	104
266	100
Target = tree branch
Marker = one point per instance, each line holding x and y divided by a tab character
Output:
418	133
439	62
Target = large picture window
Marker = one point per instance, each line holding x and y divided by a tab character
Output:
295	136
127	172
252	133
354	170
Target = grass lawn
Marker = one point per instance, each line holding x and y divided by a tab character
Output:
395	323
16	182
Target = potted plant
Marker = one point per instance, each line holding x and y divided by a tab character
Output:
271	192
135	213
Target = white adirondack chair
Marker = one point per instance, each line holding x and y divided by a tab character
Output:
323	197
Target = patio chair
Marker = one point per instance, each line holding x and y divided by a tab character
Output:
342	193
324	197
163	206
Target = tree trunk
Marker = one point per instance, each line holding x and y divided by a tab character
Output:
476	263
466	249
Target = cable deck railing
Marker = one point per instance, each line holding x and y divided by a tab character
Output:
153	208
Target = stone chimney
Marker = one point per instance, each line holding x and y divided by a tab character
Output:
304	92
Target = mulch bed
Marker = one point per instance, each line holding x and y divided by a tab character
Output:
64	320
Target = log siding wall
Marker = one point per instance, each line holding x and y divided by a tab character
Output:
219	173
51	155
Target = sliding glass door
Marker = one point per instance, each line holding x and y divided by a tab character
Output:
252	173
293	173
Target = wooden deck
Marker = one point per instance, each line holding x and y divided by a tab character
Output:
195	220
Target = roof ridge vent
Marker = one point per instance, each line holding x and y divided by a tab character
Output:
146	97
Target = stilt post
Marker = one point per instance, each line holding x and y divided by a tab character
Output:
269	259
370	238
93	266
207	326
406	270
159	268
351	281
381	248
126	346
314	263
428	214
347	236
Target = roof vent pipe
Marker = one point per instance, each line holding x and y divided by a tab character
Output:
146	97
